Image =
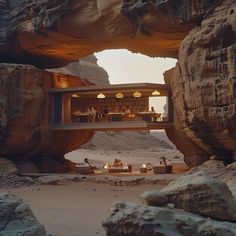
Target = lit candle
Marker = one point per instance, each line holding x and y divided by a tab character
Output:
143	169
105	166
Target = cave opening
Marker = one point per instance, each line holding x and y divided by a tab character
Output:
125	67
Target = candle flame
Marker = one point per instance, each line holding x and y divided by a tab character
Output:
144	166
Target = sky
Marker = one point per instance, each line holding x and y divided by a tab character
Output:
124	66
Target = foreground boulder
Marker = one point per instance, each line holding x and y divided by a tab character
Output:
137	220
17	219
196	193
217	169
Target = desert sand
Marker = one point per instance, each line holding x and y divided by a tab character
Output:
78	208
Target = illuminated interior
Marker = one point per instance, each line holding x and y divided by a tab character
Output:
123	106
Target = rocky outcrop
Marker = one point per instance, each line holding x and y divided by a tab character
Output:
24	120
217	169
170	211
86	68
133	219
203	84
16	218
49	33
7	166
196	193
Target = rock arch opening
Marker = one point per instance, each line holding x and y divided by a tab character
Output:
203	84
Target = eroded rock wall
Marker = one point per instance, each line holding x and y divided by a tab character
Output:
51	33
24	120
204	84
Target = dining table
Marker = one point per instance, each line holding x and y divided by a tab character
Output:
115	116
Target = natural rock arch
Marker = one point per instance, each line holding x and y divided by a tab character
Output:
51	33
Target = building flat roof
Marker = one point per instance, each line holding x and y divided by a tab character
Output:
112	88
129	87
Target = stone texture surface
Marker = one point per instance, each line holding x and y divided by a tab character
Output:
49	33
203	85
217	169
196	193
86	68
138	220
17	219
7	166
25	130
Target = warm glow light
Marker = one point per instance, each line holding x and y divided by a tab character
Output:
64	84
119	95
75	95
156	93
137	94
105	166
144	166
101	96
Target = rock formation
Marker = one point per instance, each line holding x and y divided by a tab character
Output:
25	131
50	33
16	218
86	68
197	193
170	211
133	219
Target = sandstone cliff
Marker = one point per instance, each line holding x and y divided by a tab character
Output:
86	68
51	33
24	120
203	84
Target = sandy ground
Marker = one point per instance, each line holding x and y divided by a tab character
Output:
77	209
135	157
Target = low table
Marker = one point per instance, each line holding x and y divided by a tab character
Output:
162	169
83	169
115	169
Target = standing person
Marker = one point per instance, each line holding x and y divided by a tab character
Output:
93	113
153	115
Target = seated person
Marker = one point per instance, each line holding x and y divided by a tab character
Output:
117	163
127	111
163	161
153	110
105	111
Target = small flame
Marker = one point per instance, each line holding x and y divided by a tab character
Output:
105	167
144	166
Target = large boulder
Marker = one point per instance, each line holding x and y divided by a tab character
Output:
217	169
86	68
203	86
132	219
196	193
24	120
16	218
